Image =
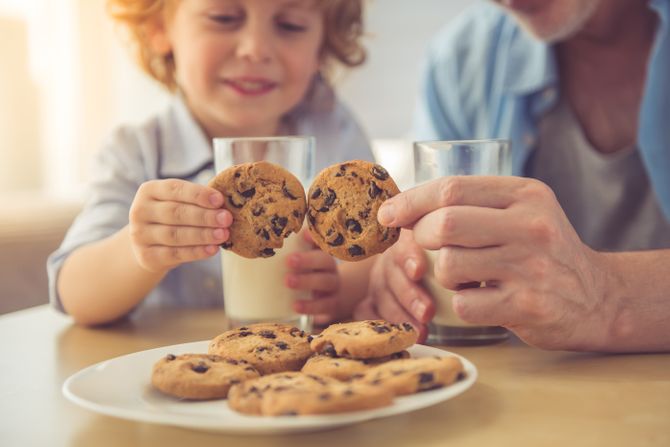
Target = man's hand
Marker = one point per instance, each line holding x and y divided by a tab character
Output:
544	283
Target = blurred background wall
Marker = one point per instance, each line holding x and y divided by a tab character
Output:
66	80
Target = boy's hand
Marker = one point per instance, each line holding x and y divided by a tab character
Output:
315	271
174	221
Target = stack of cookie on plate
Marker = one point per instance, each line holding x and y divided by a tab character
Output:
276	369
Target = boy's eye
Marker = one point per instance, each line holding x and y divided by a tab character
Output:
291	27
225	19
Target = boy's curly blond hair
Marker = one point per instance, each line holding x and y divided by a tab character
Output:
343	30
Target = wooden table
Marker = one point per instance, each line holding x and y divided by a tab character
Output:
524	396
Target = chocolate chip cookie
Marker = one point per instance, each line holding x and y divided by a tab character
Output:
267	203
342	206
364	339
344	369
413	375
293	393
269	347
199	376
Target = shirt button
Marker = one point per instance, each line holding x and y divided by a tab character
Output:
549	94
210	284
528	139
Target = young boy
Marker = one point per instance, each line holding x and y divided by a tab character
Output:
150	231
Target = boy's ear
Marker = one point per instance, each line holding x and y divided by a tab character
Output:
158	37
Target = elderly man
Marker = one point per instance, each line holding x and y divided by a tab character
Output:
576	251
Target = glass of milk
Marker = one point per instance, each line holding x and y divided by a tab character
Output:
254	290
435	159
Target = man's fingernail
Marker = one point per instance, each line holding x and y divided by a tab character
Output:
385	214
418	309
410	267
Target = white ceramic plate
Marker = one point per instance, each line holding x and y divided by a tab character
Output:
121	387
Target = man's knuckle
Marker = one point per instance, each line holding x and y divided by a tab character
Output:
542	230
449	191
447	222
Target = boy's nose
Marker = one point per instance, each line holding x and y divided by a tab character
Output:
255	44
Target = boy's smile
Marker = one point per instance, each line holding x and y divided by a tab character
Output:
249	85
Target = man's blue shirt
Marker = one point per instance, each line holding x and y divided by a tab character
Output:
485	77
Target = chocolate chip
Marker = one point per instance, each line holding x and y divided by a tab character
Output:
267	252
282	345
262	349
408	327
243	329
200	368
356	250
245	333
330	198
232	202
316	193
237	174
353	225
265	234
329	349
380	172
170	357
249	192
339	240
296	214
324	396
364	214
294	331
232	361
267	334
382	329
278	224
288	194
289	413
317	379
311	219
257	211
426	377
348	392
250	368
309	338
353	174
374	190
234	381
227	245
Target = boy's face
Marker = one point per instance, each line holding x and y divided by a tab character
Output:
242	64
551	20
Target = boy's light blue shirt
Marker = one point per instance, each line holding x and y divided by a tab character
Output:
487	78
172	145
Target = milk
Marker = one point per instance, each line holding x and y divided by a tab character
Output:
254	289
444	313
